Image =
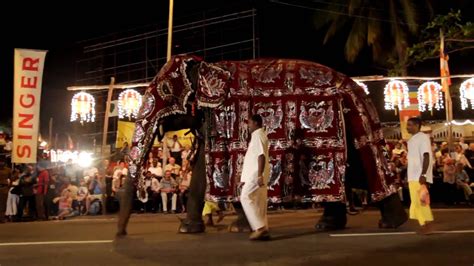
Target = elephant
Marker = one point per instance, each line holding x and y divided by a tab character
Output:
309	111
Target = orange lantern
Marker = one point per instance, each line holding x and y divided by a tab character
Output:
467	93
129	103
396	95
430	95
83	107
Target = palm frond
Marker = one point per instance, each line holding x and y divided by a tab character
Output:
409	10
356	40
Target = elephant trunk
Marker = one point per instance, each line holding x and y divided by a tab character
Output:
198	184
125	200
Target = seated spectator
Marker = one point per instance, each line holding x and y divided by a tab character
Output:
403	159
397	150
449	180
155	194
65	204
156	169
448	171
168	188
185	153
120	174
95	192
460	157
82	194
462	182
173	167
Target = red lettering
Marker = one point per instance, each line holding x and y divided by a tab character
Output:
23	150
30	64
25	137
29	83
23	122
31	102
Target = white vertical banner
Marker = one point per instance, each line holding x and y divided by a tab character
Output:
28	78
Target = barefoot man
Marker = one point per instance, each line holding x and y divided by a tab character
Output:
255	173
420	171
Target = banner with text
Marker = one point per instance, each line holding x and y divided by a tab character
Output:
28	78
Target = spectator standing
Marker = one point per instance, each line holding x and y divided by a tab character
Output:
41	190
5	175
13	195
175	148
27	196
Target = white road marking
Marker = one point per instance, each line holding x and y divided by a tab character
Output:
373	234
56	243
401	233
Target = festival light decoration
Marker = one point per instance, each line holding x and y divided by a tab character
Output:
366	89
462	123
430	96
396	95
467	93
83	107
129	103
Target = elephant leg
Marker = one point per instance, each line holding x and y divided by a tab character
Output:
334	217
241	224
194	222
126	201
392	212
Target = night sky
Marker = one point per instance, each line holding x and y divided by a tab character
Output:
285	32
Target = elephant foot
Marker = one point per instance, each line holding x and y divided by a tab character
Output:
330	224
121	234
191	227
238	227
392	212
334	217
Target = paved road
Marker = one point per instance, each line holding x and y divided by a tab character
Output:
153	241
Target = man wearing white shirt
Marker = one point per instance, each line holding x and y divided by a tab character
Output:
255	174
175	149
420	172
156	169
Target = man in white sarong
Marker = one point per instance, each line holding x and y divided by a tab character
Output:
254	179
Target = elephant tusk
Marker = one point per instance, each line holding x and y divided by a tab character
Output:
160	128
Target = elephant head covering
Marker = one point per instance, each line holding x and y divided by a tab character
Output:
307	109
166	95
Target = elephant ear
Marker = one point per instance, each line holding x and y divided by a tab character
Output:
212	86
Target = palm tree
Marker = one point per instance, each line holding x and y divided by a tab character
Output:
383	25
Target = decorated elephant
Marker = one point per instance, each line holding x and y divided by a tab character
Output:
324	133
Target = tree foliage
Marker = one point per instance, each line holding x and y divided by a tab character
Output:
458	36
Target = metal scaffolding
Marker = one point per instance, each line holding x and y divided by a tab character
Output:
135	56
